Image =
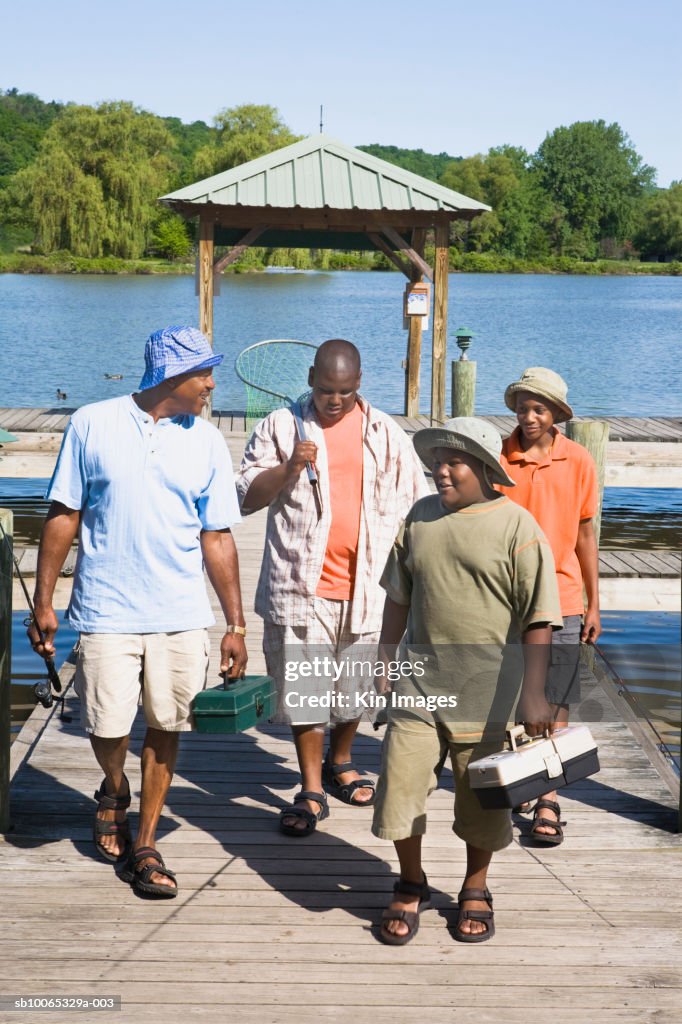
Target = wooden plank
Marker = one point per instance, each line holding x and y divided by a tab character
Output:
629	557
233	255
20	419
399	242
378	242
611	563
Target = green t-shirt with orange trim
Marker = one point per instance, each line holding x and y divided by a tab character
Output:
474	581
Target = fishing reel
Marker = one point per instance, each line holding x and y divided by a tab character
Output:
42	690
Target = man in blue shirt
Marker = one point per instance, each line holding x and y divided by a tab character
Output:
146	483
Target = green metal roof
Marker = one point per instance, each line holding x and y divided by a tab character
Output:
321	172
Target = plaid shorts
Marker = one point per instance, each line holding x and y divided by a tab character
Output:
324	673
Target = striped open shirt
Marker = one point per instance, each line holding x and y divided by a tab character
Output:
296	536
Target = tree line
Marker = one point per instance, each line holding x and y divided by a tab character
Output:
84	180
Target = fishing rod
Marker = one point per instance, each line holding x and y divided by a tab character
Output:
42	690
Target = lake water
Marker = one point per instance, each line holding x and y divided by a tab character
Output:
644	518
615	339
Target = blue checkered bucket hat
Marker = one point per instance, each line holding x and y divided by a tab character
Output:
175	350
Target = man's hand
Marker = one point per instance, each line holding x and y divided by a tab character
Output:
304	451
42	630
233	656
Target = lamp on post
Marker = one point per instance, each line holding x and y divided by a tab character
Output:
463	376
464	336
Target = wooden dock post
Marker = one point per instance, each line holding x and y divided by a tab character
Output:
463	398
593	435
7	521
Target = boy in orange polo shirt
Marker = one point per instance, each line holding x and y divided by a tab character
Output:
556	480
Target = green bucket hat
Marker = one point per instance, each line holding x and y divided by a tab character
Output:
546	384
465	434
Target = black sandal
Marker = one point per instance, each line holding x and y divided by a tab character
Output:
344	790
486	916
545	837
408	917
303	814
111	828
140	879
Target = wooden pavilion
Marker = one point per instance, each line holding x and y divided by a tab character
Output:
317	194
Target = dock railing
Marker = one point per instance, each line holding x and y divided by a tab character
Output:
7	521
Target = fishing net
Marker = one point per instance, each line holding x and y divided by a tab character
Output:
275	374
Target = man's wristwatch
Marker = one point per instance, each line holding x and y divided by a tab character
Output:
240	630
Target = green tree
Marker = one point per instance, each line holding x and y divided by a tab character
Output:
429	165
170	239
243	133
24	119
660	232
93	186
502	180
593	177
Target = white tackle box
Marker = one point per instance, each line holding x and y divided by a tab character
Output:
534	767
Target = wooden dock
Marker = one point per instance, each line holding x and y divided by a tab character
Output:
272	930
621	428
641	452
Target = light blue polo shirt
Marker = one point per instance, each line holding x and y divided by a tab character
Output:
146	491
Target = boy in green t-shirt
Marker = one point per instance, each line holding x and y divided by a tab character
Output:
470	583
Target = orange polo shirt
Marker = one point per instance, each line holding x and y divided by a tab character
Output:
559	492
343	441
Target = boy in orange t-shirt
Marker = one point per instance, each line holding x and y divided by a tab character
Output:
556	480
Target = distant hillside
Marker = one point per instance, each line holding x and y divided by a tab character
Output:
429	165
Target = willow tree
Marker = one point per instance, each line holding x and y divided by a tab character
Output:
93	186
242	134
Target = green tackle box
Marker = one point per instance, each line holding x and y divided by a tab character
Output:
235	706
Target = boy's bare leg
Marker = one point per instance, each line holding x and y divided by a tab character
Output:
159	754
560	714
478	862
309	742
111	757
340	743
410	856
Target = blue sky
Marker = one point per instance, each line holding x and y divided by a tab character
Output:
441	76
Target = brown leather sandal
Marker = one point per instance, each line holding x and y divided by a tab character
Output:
486	916
408	917
111	828
140	877
551	839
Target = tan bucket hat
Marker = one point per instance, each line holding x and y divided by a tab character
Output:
467	434
538	380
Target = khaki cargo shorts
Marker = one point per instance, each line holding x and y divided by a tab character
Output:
115	672
412	755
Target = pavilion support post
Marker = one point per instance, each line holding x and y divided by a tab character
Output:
440	323
414	337
206	230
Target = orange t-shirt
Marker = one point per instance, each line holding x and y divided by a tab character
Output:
343	441
559	492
